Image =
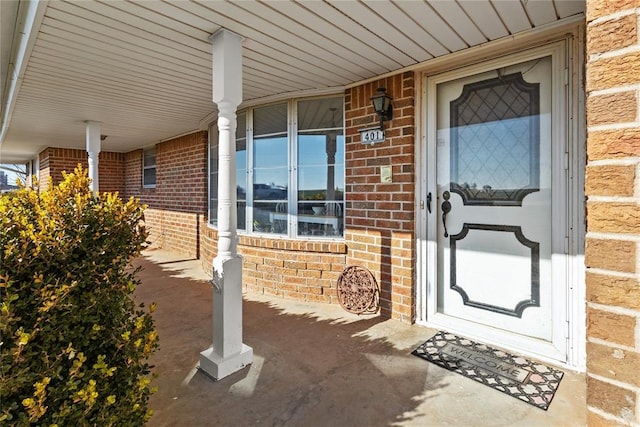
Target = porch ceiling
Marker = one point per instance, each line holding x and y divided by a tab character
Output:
143	68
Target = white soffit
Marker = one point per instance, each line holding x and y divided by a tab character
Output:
143	68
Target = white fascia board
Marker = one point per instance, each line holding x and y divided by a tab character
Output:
30	16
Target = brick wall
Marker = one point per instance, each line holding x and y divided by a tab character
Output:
293	269
284	268
54	161
613	213
111	171
176	218
380	216
178	203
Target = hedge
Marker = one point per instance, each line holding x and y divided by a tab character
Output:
75	345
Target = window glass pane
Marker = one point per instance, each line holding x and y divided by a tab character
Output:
270	173
241	170
213	175
320	167
241	215
270	169
320	218
241	182
270	183
214	185
495	138
241	130
149	157
320	113
149	167
270	217
149	177
270	120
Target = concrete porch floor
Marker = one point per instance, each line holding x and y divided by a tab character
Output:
315	365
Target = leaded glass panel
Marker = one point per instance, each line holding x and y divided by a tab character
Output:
495	141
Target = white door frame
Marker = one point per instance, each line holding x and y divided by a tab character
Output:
567	208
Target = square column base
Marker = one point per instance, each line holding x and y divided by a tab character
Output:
218	367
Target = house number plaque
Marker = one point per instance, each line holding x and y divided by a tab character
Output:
372	136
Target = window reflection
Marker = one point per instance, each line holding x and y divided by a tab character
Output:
241	171
313	167
270	170
213	175
495	140
320	167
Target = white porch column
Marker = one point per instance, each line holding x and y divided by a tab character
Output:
228	354
93	150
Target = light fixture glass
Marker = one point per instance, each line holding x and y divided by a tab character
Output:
382	105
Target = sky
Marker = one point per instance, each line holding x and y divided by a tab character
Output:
11	177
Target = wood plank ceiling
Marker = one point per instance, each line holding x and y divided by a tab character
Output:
143	68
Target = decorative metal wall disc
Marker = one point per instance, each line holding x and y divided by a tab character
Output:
358	290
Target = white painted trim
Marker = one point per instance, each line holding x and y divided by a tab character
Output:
225	31
572	303
577	356
25	36
421	205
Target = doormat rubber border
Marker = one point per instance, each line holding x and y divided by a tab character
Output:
526	380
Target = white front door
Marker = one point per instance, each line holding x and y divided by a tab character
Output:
494	144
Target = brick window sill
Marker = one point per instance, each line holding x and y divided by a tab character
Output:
332	247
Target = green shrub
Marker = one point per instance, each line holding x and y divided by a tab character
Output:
74	343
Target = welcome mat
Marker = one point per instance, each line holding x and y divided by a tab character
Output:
516	376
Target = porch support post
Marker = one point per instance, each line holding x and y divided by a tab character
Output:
228	354
93	150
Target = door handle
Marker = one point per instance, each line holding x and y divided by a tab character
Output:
446	208
429	202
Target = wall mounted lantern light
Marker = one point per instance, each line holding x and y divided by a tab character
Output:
382	105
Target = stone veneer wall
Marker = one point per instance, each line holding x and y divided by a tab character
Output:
613	212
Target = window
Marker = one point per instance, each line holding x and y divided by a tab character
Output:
289	169
149	167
